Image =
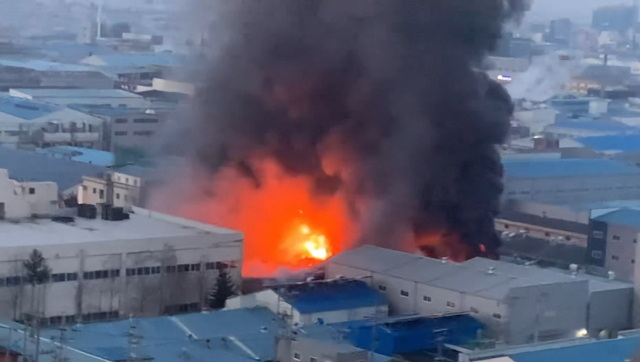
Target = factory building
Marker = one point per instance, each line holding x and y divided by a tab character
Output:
518	304
149	264
35	73
64	97
557	181
325	302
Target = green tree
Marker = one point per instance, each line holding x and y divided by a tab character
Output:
222	290
36	269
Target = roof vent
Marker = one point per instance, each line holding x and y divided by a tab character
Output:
574	269
444	260
612	275
491	270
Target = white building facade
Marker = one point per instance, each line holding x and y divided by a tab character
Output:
27	199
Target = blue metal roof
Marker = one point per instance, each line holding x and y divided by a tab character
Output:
32	166
331	295
544	168
141	60
613	350
43	65
629	217
619	143
80	154
592	125
78	93
224	336
26	109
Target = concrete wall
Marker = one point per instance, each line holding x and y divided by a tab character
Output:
303	349
145	295
126	190
621	243
609	311
22	200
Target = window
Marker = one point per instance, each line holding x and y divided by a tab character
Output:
118	195
88	275
547	234
506	226
94	190
615	257
426	299
616	237
145	120
143	133
633	261
596	254
195	267
70	319
313	359
101	194
474	310
59	277
598	234
54	321
131	272
183	268
404	293
170	269
32	191
72	277
120	133
115	273
497	316
121	120
566	237
451	305
126	180
210	266
382	288
296	356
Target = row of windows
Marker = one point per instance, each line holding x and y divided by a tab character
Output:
115	273
182	308
137	120
88	317
135	133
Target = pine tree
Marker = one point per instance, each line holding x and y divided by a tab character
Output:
36	269
222	290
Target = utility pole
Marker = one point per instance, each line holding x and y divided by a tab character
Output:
60	353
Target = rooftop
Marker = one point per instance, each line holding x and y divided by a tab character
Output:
44	66
628	217
80	154
102	110
31	166
589	124
75	93
224	336
556	224
143	224
26	109
135	60
483	277
546	168
323	296
612	143
372	258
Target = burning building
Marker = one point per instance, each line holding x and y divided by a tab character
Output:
325	124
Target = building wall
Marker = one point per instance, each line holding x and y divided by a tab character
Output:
126	190
619	256
303	349
22	200
136	130
539	232
573	189
610	311
145	295
597	244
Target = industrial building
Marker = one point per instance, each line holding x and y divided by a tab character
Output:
19	200
149	264
30	124
519	304
119	187
139	128
111	97
324	302
33	73
569	180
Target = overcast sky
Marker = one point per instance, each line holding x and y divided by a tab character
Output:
579	10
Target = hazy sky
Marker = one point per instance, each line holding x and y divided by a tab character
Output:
579	10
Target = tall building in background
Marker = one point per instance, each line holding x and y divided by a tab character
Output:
618	18
513	47
560	31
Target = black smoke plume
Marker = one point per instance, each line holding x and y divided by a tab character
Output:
389	88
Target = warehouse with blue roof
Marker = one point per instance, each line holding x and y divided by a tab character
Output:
570	180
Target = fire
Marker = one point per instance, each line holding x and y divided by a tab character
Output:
285	226
315	244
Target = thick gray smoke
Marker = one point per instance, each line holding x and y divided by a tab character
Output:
386	89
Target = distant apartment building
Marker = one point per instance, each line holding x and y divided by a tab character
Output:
30	124
618	18
130	127
122	187
31	73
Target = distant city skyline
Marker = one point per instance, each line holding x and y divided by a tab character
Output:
578	10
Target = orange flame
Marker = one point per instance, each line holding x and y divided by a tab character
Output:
315	244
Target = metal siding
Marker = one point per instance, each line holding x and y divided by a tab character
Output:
610	309
623	250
